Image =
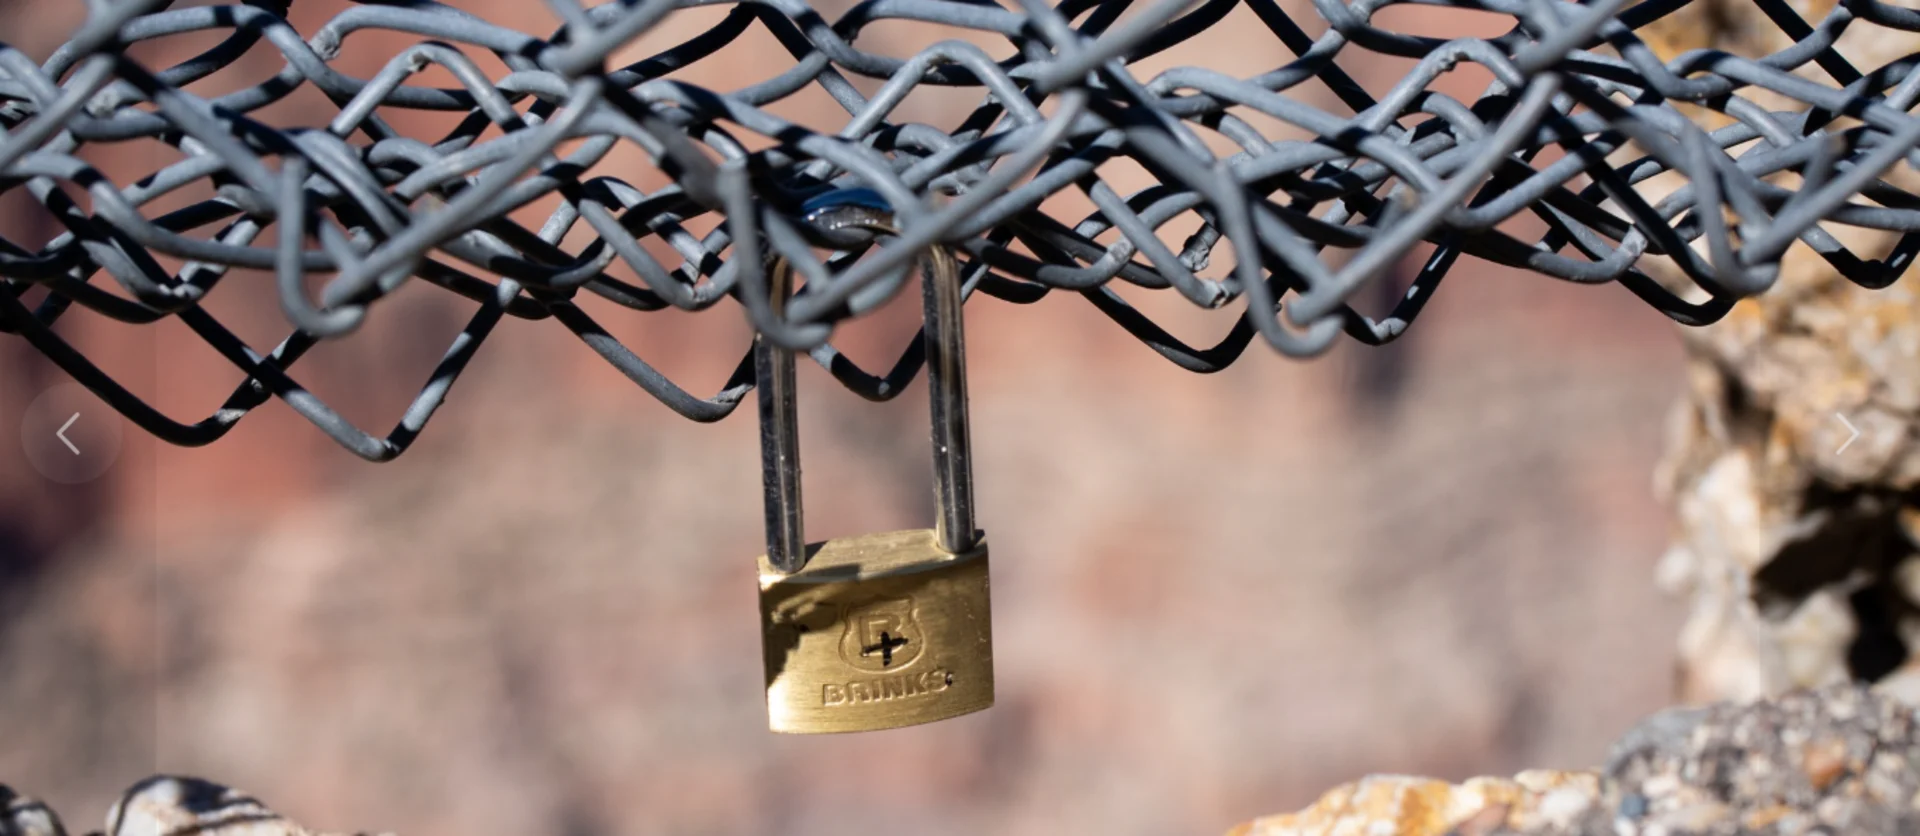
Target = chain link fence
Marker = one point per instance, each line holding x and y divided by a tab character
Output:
1548	170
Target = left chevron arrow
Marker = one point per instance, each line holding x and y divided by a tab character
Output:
62	434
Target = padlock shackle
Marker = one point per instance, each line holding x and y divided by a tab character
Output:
942	333
779	434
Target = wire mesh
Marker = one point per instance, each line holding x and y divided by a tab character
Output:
1547	171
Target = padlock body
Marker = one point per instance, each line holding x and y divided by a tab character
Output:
876	632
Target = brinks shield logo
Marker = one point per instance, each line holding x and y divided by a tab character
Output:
882	637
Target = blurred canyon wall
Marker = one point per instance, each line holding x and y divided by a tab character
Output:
1215	596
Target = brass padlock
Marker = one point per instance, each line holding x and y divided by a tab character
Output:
881	630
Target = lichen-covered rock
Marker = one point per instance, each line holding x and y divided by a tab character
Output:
23	816
159	806
170	806
1839	760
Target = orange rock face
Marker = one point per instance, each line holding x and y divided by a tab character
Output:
1396	805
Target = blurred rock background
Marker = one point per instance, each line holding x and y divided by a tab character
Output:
1215	596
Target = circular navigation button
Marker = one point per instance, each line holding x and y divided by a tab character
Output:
69	435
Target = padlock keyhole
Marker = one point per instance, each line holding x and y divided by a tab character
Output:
885	648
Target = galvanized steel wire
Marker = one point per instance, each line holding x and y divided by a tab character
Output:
1580	112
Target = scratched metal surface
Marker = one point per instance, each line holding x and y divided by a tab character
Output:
1581	112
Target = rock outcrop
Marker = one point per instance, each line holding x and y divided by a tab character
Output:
1794	539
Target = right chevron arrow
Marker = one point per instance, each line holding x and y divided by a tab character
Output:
1850	428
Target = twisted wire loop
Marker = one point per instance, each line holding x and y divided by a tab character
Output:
1580	114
